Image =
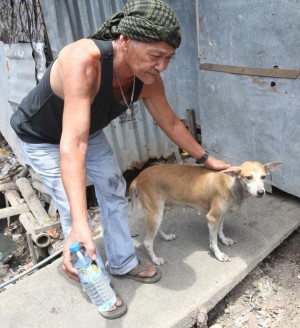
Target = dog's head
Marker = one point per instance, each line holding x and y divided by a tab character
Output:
252	175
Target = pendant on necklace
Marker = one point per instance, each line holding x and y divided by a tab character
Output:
129	109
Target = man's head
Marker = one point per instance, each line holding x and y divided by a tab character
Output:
146	60
143	20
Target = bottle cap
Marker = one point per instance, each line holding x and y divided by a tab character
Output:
74	247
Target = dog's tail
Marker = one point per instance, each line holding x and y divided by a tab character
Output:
133	193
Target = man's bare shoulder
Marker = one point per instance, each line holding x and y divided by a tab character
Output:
81	50
79	61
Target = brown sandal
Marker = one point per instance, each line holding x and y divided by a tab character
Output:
118	312
133	274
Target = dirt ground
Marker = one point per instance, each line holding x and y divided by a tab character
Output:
269	296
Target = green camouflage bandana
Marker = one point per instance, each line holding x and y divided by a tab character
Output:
142	20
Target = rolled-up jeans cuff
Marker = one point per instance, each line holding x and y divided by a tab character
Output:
128	266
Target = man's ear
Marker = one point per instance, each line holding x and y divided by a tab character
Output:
124	41
233	171
272	166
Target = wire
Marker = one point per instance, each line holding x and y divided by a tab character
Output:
31	269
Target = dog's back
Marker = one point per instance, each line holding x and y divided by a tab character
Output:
187	184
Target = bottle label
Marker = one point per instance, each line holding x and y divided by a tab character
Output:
89	274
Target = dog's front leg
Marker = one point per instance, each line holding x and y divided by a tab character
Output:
226	241
214	217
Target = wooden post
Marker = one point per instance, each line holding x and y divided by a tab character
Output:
6	205
31	248
191	120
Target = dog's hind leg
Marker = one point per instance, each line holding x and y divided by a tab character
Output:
166	236
226	241
214	217
153	219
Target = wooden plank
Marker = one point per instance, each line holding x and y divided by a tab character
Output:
268	72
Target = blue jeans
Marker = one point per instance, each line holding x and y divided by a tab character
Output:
103	171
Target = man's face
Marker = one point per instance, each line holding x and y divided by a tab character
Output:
148	59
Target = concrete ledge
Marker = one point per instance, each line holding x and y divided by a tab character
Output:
192	277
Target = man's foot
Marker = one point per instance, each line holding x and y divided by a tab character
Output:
116	311
149	269
116	305
143	272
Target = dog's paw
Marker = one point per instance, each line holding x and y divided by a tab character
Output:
170	236
222	257
228	241
159	261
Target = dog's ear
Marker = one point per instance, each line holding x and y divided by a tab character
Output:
233	171
272	166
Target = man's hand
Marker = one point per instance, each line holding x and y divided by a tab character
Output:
215	164
84	236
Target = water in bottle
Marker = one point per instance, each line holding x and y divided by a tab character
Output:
95	282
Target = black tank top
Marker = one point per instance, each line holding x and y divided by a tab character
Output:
39	116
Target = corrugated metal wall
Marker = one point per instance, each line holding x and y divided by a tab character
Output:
17	79
241	117
135	138
251	117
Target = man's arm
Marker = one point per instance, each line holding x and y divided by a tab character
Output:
78	72
155	100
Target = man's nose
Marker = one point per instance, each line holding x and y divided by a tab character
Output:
161	64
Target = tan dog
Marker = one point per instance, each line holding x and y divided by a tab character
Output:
194	186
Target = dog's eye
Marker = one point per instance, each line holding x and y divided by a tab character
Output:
263	177
249	177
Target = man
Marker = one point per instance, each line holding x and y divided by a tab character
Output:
60	124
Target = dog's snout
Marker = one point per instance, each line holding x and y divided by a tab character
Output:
260	193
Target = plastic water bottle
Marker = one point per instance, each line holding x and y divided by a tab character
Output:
95	282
